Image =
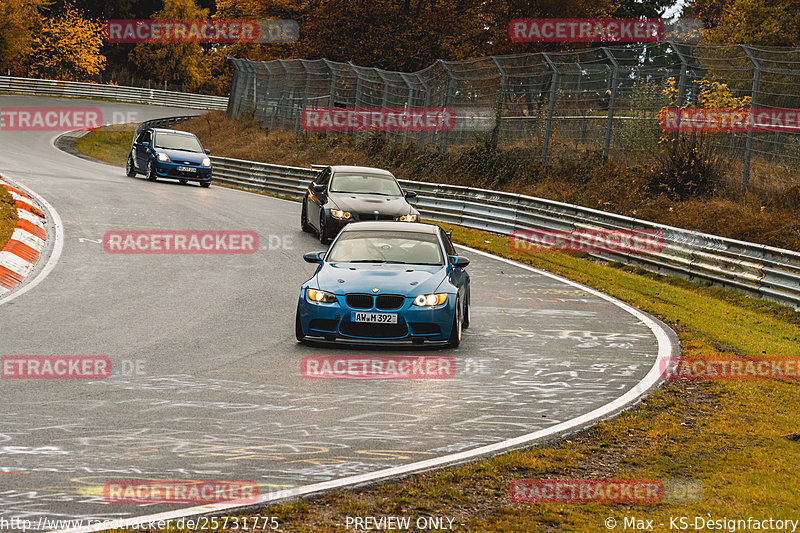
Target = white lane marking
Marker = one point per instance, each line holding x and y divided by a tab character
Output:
665	350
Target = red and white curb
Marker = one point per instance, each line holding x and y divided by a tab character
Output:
19	256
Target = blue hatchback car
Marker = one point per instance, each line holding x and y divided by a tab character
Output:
386	283
162	153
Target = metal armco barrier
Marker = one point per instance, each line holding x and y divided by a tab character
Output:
765	271
138	95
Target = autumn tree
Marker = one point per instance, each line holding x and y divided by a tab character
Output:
18	20
756	22
173	63
67	47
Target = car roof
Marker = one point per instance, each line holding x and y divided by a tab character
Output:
348	168
165	130
405	227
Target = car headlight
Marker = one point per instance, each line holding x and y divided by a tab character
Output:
408	218
341	215
427	300
316	295
206	162
163	157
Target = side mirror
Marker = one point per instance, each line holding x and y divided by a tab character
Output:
410	194
145	144
458	261
208	152
314	257
317	188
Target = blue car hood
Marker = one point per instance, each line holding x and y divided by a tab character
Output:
183	155
389	278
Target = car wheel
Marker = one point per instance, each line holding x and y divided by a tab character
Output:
465	322
298	327
205	184
323	231
129	170
151	174
183	182
455	331
304	225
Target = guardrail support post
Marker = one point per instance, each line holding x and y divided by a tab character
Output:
548	125
748	147
611	103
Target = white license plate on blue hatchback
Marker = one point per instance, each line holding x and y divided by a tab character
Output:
376	318
187	169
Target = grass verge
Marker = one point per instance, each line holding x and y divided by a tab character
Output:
8	217
739	440
110	144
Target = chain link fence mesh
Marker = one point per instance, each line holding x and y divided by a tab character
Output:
599	102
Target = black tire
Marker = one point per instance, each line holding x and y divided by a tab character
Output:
129	168
151	174
304	225
298	327
183	182
205	184
465	321
455	332
323	231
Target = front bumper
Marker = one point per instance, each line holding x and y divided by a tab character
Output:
170	170
335	225
415	325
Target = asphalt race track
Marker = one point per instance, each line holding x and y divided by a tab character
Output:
207	381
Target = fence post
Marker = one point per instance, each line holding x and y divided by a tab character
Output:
305	94
683	75
358	83
422	134
498	115
265	102
548	125
611	104
285	91
409	101
332	98
448	99
748	147
233	99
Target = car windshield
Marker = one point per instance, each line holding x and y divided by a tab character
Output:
177	141
365	184
410	248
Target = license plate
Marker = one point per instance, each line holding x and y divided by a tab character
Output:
187	169
378	318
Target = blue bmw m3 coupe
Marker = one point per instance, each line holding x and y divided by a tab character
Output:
386	283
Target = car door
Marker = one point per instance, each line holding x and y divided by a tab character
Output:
143	152
316	200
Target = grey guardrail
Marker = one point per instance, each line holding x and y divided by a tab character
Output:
765	271
138	95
